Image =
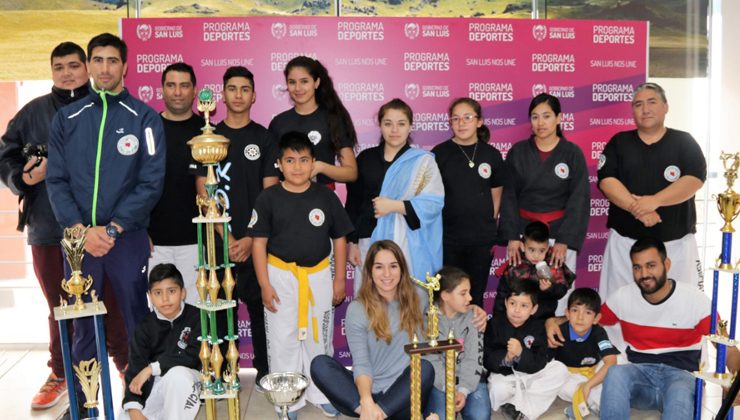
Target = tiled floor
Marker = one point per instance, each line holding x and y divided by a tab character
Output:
23	370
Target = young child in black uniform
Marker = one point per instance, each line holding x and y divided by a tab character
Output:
522	383
162	378
553	283
294	225
586	351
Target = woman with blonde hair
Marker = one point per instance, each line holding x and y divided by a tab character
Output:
379	322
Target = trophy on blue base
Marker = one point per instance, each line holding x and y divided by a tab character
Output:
728	204
88	372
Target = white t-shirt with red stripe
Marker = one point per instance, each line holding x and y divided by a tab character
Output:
668	332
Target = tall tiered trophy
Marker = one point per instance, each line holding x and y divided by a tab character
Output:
728	204
208	149
89	372
449	347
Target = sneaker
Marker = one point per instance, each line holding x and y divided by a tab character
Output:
328	410
511	413
82	413
569	413
50	393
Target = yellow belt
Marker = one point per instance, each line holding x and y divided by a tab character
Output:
578	397
305	296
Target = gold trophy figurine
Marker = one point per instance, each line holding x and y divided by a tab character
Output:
728	202
74	247
431	286
88	372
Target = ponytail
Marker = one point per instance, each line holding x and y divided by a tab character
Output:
483	133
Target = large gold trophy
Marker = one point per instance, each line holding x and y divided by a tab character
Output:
449	347
728	204
88	372
209	149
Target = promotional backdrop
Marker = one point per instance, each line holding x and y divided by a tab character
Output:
592	66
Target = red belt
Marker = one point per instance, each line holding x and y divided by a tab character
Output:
545	218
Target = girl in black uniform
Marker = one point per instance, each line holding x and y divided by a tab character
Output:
547	181
473	178
319	113
398	195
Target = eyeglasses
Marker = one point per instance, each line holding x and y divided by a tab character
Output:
464	119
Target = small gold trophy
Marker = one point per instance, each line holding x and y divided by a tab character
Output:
431	286
77	285
728	202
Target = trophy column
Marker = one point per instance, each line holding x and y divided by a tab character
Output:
728	204
216	383
449	347
88	372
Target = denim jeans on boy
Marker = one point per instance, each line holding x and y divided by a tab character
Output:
338	384
647	386
477	405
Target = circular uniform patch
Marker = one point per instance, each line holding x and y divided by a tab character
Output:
672	173
562	170
316	217
602	161
253	219
314	136
252	152
484	170
528	341
128	145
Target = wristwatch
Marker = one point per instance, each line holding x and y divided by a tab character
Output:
111	230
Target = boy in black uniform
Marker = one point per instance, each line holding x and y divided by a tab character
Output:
553	282
587	352
522	382
293	226
162	379
249	167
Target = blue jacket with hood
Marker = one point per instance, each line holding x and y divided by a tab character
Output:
106	161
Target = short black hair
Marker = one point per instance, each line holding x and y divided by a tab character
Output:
67	48
297	142
165	271
451	277
525	288
585	296
648	242
238	71
108	40
537	232
182	68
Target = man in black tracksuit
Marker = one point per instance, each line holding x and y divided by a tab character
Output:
24	172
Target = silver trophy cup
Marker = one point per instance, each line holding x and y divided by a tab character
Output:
283	389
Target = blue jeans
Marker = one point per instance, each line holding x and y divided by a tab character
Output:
477	405
338	384
648	386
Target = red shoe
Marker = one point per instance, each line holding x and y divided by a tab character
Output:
50	393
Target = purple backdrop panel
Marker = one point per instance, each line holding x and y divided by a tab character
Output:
592	66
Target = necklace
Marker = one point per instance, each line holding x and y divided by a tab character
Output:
471	160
